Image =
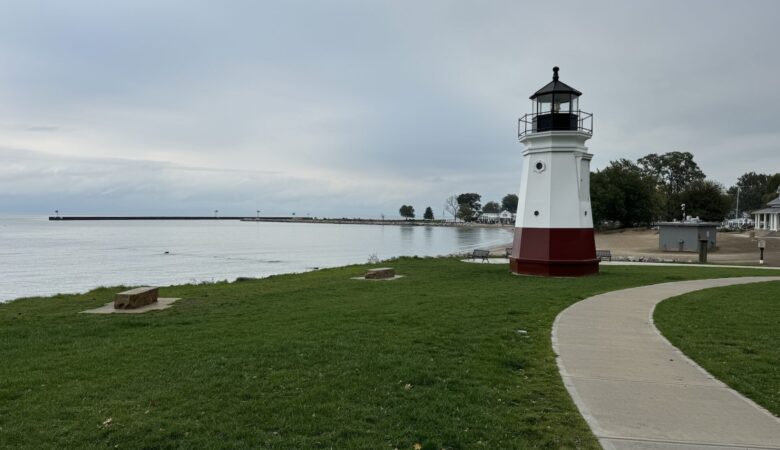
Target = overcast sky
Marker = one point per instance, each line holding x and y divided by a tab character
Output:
353	108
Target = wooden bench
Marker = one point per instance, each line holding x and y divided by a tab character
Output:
508	252
484	254
136	298
601	255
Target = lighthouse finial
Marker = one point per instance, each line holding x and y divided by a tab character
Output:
555	73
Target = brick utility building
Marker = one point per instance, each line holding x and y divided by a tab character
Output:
554	227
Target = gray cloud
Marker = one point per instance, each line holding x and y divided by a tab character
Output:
347	108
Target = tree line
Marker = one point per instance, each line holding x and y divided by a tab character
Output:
652	189
407	212
668	187
467	207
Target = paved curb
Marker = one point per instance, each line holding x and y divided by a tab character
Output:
637	391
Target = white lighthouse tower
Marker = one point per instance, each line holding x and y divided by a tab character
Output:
554	227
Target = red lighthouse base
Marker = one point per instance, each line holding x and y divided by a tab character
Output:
556	252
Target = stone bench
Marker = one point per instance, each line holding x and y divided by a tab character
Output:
136	298
380	273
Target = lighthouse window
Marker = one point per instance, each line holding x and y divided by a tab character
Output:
544	104
539	166
562	103
536	213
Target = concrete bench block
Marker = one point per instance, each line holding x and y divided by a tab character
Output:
135	298
380	273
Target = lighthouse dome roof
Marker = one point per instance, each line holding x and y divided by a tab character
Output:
556	87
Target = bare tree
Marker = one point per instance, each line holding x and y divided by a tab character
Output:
451	206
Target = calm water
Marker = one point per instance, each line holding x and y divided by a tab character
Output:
39	257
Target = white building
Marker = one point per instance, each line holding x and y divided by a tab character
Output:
769	218
489	218
507	217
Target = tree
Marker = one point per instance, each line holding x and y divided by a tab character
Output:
469	206
751	188
407	211
428	215
472	200
754	190
491	207
509	203
672	172
466	213
451	206
707	200
623	193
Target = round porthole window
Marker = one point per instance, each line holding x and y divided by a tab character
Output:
539	166
536	213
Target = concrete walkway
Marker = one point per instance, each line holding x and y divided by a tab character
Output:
637	391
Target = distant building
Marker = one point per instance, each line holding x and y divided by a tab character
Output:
741	223
507	217
769	218
504	217
489	218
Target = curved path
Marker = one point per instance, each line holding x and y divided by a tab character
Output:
637	391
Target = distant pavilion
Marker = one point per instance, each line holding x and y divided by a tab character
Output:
769	218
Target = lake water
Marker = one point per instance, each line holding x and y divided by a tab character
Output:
39	257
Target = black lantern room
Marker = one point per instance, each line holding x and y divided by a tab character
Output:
555	108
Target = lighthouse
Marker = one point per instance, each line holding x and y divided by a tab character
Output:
554	225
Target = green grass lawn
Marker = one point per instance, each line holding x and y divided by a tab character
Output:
314	360
734	333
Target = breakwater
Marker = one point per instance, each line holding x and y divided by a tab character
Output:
339	221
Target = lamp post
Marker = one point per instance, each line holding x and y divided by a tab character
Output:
258	213
761	247
683	211
216	213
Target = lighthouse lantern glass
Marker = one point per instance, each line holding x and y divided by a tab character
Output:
562	103
543	104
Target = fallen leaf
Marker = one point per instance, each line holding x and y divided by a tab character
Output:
407	387
107	422
416	446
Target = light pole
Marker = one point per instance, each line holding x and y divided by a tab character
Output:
57	213
683	211
258	213
216	212
738	191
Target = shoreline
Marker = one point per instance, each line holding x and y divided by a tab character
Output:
341	221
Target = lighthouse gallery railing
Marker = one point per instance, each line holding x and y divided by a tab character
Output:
540	122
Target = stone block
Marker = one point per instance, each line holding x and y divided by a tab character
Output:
380	273
135	298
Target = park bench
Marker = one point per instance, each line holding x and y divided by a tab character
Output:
507	252
484	254
136	298
602	255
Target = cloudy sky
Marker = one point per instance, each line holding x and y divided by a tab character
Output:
351	108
